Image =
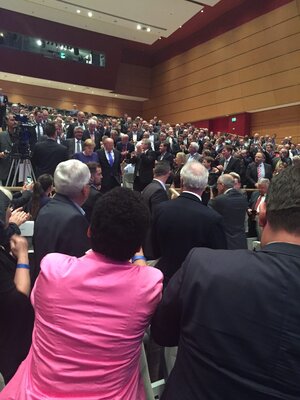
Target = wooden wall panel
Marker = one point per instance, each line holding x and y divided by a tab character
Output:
133	80
283	121
256	65
35	95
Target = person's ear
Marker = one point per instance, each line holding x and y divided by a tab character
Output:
89	233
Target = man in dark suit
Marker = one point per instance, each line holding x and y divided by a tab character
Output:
3	104
125	147
184	223
92	133
232	205
144	164
135	135
229	163
80	122
7	139
154	194
257	170
47	154
75	144
61	225
95	189
164	154
110	163
235	314
255	203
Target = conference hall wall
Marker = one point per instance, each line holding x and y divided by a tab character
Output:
252	67
36	95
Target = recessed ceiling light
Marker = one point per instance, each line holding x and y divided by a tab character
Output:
78	11
202	10
180	26
90	14
2	34
138	27
39	42
148	29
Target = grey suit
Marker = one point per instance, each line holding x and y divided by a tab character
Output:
233	207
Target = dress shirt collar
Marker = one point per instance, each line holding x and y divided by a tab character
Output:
162	184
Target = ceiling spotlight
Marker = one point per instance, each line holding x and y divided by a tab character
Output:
148	29
138	27
202	10
180	26
78	11
2	34
39	42
90	14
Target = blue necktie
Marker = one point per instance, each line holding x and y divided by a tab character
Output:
111	161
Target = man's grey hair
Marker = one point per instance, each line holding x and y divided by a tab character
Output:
227	180
147	142
92	121
77	128
235	175
263	181
70	177
195	145
194	176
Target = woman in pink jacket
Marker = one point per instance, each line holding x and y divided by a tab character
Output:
91	312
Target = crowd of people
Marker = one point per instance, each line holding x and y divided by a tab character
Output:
229	314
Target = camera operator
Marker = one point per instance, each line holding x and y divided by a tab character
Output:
7	140
3	104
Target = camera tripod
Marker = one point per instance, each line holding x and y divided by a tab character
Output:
20	168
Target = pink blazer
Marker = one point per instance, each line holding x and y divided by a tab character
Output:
90	317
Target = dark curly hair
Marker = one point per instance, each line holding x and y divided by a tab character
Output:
119	224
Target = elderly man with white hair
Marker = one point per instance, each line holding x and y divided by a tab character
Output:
193	152
184	223
61	226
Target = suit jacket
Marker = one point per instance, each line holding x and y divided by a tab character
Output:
235	316
144	164
139	136
251	174
233	207
181	224
168	157
5	163
70	145
111	176
88	205
60	227
234	165
153	194
98	137
70	130
129	148
47	155
85	308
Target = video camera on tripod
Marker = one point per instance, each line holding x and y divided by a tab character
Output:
23	138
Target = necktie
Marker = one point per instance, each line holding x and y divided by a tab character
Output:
259	172
78	147
110	159
38	131
225	165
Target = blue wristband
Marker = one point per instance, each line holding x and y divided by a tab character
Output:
25	266
135	258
